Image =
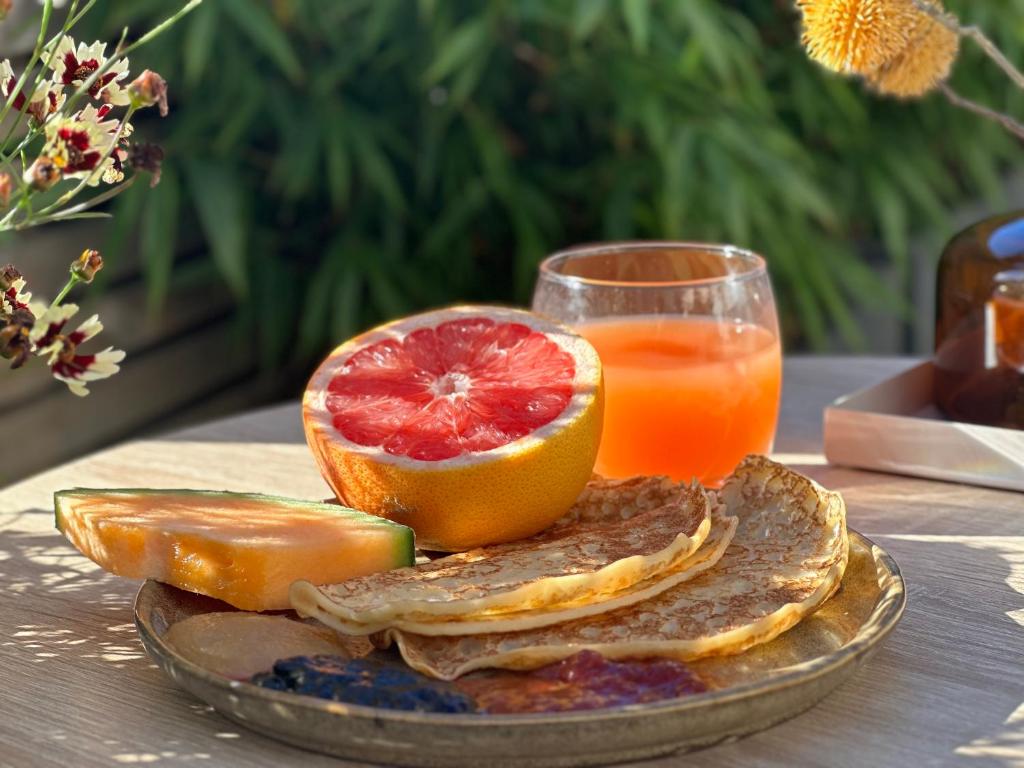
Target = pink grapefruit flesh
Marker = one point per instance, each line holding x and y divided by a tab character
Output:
468	385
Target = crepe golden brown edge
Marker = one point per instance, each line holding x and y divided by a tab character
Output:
701	559
787	557
600	548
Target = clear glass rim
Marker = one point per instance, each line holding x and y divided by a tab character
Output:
755	265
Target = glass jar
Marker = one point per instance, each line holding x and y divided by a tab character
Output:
979	325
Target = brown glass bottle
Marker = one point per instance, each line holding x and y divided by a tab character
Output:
979	324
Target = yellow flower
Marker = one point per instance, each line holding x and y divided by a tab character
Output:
856	36
923	64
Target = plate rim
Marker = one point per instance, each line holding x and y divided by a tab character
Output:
884	617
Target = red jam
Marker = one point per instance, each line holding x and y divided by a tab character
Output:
584	681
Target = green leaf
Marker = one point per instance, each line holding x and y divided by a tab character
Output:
374	165
387	299
427	8
707	32
200	42
530	249
255	20
466	81
637	14
158	237
219	200
348	302
617	218
891	210
85	215
677	168
299	162
587	16
835	304
240	122
278	309
316	308
461	46
455	218
493	157
339	166
984	171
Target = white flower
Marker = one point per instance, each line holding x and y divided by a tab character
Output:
61	350
102	365
50	322
82	146
44	100
14	297
74	65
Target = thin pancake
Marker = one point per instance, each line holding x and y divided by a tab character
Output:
598	553
710	552
787	557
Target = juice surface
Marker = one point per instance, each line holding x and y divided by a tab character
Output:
685	397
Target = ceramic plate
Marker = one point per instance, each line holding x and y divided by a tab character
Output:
750	692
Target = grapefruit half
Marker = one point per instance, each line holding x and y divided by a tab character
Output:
472	425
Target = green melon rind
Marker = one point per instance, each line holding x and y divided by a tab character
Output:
405	543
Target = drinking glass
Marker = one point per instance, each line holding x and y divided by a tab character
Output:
689	341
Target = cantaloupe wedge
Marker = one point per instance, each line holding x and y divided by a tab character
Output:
245	549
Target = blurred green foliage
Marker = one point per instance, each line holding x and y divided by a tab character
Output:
350	160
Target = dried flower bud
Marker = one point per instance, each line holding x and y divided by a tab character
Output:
147	157
5	8
148	89
42	174
856	36
15	341
923	65
8	275
6	185
87	265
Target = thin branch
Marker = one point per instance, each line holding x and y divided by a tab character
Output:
995	54
1005	120
71	283
74	18
75	210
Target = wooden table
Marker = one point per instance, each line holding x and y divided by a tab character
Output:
947	687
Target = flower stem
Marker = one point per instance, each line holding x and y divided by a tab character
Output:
36	53
71	283
1005	120
92	202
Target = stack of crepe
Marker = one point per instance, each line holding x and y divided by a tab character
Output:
637	568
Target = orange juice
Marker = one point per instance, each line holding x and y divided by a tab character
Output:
685	397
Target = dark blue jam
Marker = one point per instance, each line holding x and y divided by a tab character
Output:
364	682
584	681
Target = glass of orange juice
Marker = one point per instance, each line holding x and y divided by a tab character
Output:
689	342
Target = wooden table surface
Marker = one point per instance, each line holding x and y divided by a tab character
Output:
947	688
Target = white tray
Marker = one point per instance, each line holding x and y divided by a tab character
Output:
894	426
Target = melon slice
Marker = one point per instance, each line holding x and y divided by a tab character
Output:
243	548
